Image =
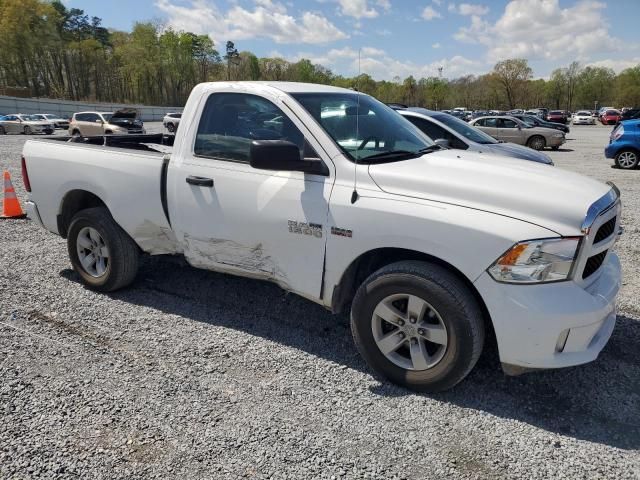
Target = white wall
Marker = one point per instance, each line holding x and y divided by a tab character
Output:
66	108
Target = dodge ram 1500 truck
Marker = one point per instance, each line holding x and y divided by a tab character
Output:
336	197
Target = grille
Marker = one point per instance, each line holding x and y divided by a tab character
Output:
605	230
593	264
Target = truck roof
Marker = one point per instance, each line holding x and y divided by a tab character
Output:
289	87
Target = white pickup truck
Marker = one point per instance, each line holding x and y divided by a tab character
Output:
336	197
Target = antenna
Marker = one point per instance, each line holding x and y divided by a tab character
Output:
354	195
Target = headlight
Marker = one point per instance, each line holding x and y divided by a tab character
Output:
536	261
558	135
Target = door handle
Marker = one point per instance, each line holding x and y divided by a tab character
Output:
200	181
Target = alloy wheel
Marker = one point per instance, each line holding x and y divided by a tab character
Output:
409	332
92	252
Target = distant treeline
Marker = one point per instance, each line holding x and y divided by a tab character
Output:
58	52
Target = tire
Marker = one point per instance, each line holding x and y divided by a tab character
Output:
76	133
537	142
451	312
27	130
171	127
627	159
2	131
121	260
555	148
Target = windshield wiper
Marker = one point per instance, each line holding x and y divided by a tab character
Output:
393	155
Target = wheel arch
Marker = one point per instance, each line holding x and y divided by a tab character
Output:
73	202
372	260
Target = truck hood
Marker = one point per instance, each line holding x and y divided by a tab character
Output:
536	193
517	151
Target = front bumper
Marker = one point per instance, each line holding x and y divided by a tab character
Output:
553	325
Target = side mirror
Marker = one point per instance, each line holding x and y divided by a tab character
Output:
519	127
281	155
442	142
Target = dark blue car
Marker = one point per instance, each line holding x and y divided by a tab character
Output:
624	144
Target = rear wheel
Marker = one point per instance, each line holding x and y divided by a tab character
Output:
536	142
418	325
27	130
171	127
2	131
627	159
104	256
76	133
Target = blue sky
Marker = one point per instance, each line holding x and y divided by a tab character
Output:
403	37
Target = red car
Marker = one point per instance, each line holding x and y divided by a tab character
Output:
557	116
610	117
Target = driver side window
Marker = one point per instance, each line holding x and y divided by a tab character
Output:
231	121
506	123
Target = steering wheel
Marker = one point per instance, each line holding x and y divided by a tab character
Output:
367	140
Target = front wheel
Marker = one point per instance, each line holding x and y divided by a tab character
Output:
171	127
104	256
27	130
2	131
627	159
418	325
537	142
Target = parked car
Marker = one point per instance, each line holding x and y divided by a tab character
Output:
583	117
510	129
516	111
58	122
624	144
428	245
538	122
26	124
122	122
610	117
452	132
171	121
557	116
630	114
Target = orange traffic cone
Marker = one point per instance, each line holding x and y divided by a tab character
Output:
11	206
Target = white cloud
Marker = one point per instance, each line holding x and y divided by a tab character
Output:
268	19
472	9
384	4
357	9
436	45
381	66
429	13
616	65
437	2
542	30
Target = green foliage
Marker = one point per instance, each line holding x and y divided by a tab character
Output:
61	52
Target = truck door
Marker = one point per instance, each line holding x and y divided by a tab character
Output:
232	217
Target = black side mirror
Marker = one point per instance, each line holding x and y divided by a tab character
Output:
282	155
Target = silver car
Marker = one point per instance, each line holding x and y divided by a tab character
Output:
510	129
27	124
451	132
58	122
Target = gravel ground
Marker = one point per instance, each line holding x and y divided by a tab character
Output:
193	374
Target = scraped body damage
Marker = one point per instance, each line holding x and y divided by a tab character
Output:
228	256
155	239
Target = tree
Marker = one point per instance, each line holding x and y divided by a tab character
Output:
512	75
232	57
572	74
628	87
556	87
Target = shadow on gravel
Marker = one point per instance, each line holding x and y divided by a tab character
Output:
564	150
598	402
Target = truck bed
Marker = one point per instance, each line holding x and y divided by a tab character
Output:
126	172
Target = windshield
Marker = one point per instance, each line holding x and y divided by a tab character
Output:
364	127
464	129
583	114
